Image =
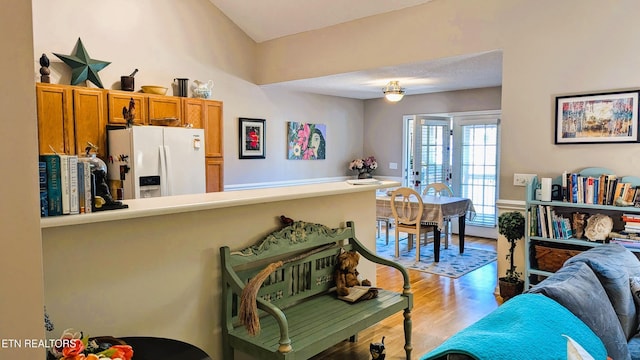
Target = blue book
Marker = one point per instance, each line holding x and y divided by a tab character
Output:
54	185
42	174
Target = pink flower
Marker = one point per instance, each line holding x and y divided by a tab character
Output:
303	136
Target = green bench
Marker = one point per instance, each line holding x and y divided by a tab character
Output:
300	314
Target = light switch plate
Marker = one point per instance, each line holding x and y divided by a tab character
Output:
522	179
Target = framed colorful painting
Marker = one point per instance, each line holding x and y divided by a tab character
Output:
306	141
597	118
252	139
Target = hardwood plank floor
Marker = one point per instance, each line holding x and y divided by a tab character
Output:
442	307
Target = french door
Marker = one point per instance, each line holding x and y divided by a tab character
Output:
460	150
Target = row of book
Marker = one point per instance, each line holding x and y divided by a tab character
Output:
66	185
601	190
546	223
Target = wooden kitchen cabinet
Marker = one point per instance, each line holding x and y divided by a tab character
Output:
215	174
193	112
120	99
55	118
69	117
90	120
163	107
213	128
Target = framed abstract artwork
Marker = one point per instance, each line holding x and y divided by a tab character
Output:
306	141
597	118
252	139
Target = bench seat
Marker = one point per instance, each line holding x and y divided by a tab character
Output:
300	313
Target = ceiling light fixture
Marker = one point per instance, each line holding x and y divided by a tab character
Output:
393	92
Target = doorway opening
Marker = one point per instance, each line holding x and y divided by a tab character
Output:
461	150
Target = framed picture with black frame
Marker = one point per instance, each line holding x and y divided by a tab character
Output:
610	117
252	138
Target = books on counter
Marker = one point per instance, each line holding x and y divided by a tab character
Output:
65	185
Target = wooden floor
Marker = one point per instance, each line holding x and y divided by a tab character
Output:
442	306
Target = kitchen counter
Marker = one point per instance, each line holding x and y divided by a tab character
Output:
185	203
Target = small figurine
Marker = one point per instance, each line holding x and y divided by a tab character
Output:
377	350
44	69
130	113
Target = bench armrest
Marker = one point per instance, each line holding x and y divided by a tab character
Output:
237	286
367	254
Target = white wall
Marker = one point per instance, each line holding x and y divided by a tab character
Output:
166	39
549	48
21	302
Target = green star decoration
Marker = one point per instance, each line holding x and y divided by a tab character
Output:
83	68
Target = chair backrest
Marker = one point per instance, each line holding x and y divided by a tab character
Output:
406	206
437	189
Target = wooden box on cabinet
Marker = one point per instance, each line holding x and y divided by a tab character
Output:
214	174
120	99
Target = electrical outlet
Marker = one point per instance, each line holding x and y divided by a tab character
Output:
393	166
522	179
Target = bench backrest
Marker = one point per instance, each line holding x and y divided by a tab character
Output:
295	280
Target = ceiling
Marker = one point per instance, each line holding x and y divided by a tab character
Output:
269	19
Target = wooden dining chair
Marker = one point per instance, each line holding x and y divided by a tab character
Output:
440	189
407	208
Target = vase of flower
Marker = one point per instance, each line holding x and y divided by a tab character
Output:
364	167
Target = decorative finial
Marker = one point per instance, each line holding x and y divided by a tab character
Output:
44	69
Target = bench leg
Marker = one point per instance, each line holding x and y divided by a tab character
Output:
353	338
407	333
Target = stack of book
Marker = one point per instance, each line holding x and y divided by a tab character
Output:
65	185
630	237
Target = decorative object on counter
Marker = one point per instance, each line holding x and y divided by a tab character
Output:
44	69
306	141
598	227
154	89
127	82
129	113
286	221
74	344
377	350
364	167
83	68
102	199
578	224
252	139
511	226
201	89
182	86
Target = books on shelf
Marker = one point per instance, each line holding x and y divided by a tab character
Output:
546	223
65	185
598	190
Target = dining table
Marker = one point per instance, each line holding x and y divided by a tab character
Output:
435	210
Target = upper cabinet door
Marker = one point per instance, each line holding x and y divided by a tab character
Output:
117	100
193	112
90	119
164	107
213	128
55	119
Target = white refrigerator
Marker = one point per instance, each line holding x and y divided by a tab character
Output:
153	161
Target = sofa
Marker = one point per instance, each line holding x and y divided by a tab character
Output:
591	304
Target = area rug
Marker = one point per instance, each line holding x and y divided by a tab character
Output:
452	264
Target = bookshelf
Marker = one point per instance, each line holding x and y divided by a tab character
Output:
566	244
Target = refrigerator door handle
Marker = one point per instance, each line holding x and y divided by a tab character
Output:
163	171
168	170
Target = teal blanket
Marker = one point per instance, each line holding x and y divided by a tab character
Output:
527	327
